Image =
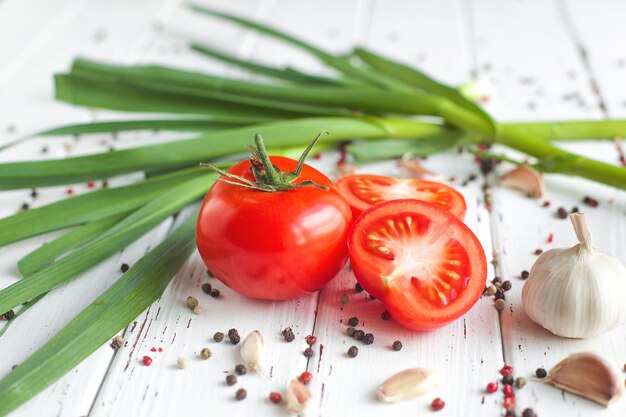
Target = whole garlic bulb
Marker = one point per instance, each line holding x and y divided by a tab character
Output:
576	292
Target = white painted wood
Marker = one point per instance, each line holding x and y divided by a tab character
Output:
547	55
527	49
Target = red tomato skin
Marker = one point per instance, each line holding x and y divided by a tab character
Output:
274	245
395	302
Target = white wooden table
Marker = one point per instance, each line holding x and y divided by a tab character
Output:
546	59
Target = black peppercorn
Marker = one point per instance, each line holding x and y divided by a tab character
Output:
240	369
350	331
9	315
372	297
308	352
234	337
385	315
541	373
124	267
359	334
358	288
499	295
561	213
241	394
397	345
496	280
353	321
508	380
525	274
218	337
368	339
353	351
215	293
206	288
288	334
529	412
575	209
506	285
231	379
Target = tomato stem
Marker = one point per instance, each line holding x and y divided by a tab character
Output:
268	177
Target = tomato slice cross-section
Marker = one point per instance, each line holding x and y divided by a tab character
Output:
422	262
363	191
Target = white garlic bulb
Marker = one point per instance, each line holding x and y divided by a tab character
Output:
576	292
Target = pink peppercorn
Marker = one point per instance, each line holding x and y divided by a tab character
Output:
506	370
275	397
437	404
492	387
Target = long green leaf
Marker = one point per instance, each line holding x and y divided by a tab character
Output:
89	207
377	150
341	64
420	80
127	298
568	130
203	148
49	252
116	238
285	74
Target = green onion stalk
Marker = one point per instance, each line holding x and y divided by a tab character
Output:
384	109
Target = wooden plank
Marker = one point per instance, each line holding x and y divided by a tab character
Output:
548	56
467	353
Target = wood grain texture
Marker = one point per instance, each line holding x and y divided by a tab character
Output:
546	60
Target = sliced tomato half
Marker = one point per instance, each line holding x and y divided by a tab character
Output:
363	191
422	262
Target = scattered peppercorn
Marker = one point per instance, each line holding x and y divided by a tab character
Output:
241	394
507	380
288	334
372	297
192	302
545	204
25	206
305	377
575	209
14	366
499	304
231	379
117	342
529	412
181	362
206	288
496	280
507	390
386	315
353	321
506	285
538	251
492	387
147	360
358	288
308	352
350	331
506	370
591	202
310	340
234	337
353	351
124	267
241	369
359	334
397	345
34	193
491	290
499	295
9	315
215	293
368	339
197	310
206	353
520	382
509	403
561	213
218	336
541	373
275	397
437	404
525	274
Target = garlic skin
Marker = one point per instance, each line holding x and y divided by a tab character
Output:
524	179
297	396
254	352
408	384
576	292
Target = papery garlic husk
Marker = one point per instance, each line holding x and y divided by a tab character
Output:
254	352
588	375
578	292
297	396
413	168
408	384
524	179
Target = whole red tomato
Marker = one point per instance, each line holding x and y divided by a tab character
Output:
274	245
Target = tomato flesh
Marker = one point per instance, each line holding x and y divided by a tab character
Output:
363	191
274	245
421	261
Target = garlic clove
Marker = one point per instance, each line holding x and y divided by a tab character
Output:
408	384
524	179
254	352
588	375
297	396
412	168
